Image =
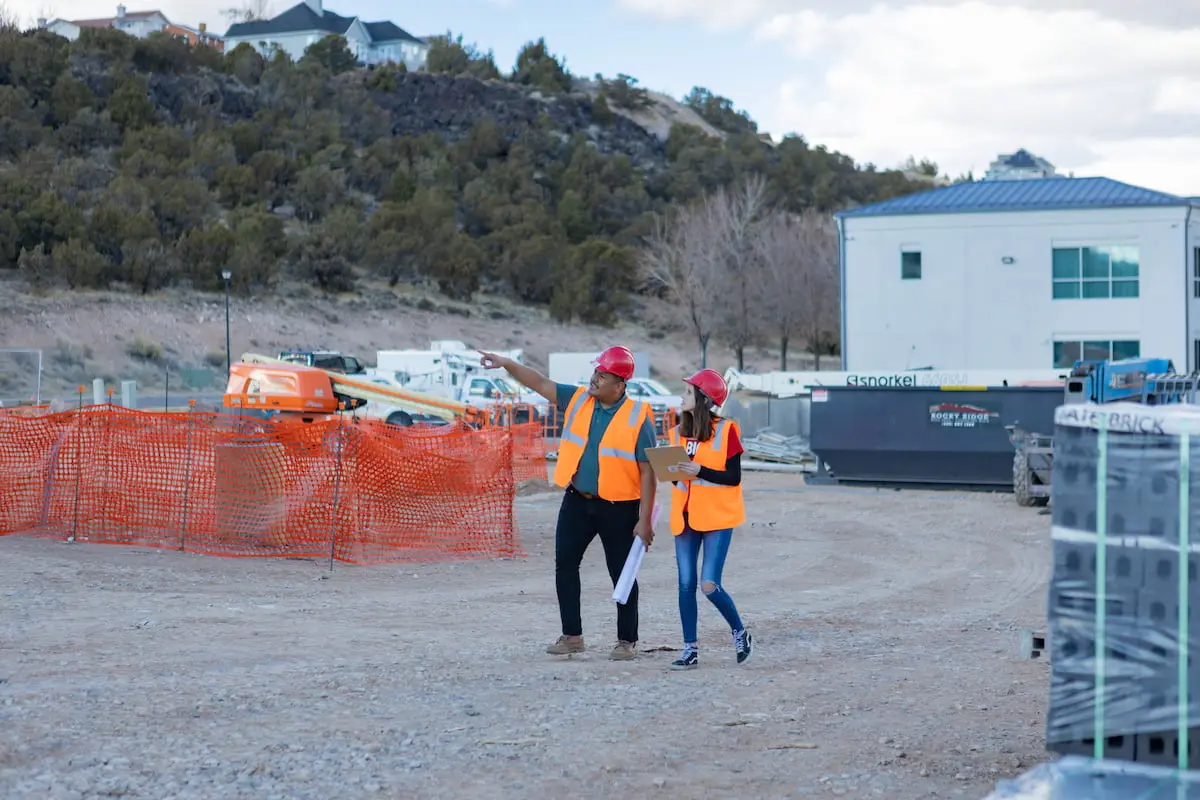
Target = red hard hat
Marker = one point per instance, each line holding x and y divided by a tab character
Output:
616	360
712	384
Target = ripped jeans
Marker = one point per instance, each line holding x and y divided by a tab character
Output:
687	553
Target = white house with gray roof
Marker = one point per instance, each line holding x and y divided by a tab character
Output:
1020	274
308	22
1021	165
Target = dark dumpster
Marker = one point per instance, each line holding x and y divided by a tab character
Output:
926	435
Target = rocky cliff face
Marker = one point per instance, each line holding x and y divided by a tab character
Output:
451	105
420	104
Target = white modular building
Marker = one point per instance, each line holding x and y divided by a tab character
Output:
1030	274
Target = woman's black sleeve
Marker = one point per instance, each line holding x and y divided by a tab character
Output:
730	476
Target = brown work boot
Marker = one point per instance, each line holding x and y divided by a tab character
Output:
623	651
566	645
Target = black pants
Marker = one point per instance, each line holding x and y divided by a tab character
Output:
579	520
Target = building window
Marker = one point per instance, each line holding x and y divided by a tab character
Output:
910	266
1067	353
1196	272
1093	272
1195	355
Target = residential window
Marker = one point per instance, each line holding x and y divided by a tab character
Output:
910	266
1196	272
1067	353
1095	272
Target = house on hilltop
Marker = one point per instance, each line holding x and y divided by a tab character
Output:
308	22
139	24
1021	165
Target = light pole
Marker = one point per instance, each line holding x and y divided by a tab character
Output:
226	275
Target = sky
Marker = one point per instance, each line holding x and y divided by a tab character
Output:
1097	87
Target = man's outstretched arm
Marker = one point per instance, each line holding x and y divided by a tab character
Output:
528	377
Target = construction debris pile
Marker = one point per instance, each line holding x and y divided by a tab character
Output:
767	445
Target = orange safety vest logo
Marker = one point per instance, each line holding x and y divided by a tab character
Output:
620	478
710	506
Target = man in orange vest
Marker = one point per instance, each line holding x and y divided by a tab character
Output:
603	467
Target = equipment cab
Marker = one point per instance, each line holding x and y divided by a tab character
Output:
325	359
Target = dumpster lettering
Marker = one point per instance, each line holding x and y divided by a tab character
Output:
961	415
907	380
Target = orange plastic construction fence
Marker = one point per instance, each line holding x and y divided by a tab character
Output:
358	491
551	421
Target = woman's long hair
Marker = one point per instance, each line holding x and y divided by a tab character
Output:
698	424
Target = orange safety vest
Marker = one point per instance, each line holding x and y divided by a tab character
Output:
620	478
710	506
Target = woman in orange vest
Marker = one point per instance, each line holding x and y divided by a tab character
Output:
706	508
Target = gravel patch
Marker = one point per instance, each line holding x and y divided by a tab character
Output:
886	664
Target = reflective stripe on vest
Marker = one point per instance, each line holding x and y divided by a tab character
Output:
619	472
710	506
572	410
717	443
635	421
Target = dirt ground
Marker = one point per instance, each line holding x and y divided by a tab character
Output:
886	665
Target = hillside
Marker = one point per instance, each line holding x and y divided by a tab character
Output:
142	168
115	336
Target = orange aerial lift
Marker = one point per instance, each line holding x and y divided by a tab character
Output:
307	393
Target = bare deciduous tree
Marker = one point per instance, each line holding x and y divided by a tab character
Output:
8	17
736	216
778	247
248	11
799	260
733	264
820	308
679	256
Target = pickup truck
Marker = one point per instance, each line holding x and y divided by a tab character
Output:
325	359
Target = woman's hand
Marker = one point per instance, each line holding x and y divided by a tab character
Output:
688	468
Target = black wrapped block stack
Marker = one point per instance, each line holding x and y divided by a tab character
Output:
1115	667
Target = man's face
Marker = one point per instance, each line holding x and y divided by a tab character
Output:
606	387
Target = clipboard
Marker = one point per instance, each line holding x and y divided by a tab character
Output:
662	459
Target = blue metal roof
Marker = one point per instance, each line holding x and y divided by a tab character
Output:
1038	194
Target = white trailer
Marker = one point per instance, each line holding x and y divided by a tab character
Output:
794	384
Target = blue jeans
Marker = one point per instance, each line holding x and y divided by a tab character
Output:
687	552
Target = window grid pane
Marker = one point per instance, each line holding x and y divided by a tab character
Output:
1096	263
910	266
1126	349
1102	272
1066	290
1066	263
1097	351
1066	354
1124	288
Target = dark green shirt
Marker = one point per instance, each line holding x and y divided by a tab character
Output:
587	476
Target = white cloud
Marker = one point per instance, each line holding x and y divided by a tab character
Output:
961	83
713	14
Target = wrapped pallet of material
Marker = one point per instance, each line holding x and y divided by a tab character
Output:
1122	607
1078	778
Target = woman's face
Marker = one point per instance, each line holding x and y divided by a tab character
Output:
689	397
